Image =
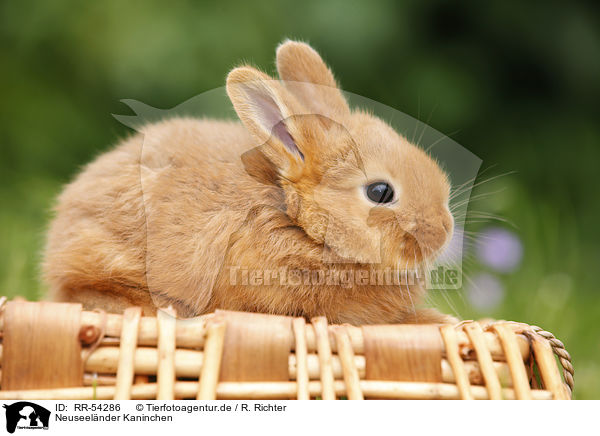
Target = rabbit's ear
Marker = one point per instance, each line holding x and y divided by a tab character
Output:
305	73
269	112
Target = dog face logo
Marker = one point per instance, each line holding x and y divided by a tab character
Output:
26	415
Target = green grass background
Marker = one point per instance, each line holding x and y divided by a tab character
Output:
517	83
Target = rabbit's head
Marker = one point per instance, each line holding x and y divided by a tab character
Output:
351	181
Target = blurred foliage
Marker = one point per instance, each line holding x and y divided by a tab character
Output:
514	82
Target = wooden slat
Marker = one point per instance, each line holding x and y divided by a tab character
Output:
484	357
273	390
349	369
256	347
324	350
165	376
515	363
299	326
548	368
403	352
458	367
213	354
41	347
125	370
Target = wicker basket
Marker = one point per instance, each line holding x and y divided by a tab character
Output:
58	351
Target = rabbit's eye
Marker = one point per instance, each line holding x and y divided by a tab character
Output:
380	192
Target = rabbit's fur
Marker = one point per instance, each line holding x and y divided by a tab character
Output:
174	214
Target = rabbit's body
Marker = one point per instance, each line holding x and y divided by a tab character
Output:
203	214
99	245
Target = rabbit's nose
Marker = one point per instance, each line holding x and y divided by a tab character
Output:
448	224
430	238
432	234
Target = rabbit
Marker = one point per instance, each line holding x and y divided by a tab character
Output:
205	214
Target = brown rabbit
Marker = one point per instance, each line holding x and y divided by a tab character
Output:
207	214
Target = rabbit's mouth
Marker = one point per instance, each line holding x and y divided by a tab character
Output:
425	242
415	252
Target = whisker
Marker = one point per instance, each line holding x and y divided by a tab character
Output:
426	124
464	188
474	198
418	119
408	289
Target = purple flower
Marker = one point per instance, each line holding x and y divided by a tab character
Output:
485	291
499	249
